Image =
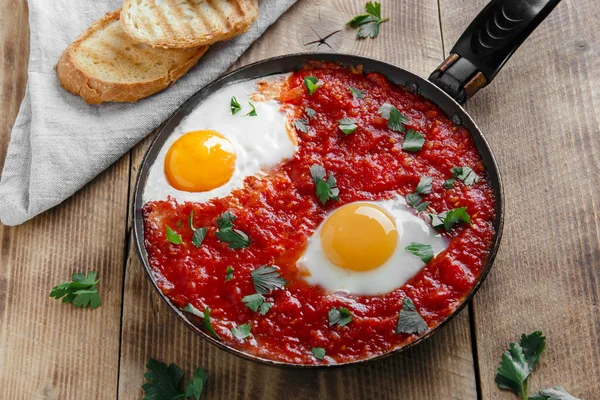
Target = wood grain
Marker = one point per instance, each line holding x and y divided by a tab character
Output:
541	117
441	368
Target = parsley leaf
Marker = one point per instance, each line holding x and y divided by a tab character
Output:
195	386
81	291
448	219
341	316
513	370
347	125
199	235
423	251
533	346
256	302
310	112
318	352
252	112
424	186
358	94
241	332
449	183
205	318
557	393
413	141
310	82
414	200
266	279
228	273
163	381
409	319
396	120
368	23
173	236
236	238
235	106
465	174
325	189
301	124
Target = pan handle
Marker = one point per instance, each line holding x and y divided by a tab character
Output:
489	41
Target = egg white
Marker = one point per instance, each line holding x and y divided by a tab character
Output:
392	274
260	142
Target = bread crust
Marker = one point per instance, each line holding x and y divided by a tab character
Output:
233	25
93	90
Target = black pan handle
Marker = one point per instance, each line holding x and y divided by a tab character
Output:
495	34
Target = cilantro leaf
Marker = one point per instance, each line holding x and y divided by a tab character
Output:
235	106
236	238
195	385
81	291
256	302
252	113
162	381
448	219
513	370
199	235
241	332
173	236
557	393
396	120
423	251
368	23
424	186
206	324
325	189
228	273
465	174
358	94
301	124
409	319
413	141
373	8
347	125
310	82
414	200
341	316
318	352
266	279
310	112
533	346
449	183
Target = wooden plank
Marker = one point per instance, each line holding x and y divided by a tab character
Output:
49	350
541	117
440	368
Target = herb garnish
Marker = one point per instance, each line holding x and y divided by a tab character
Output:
199	233
341	316
325	189
310	112
347	125
465	174
409	319
556	393
163	382
396	120
424	186
414	199
449	218
368	23
423	251
256	302
205	318
358	94
228	273
241	332
266	279
173	236
236	238
81	291
235	106
449	183
252	112
413	141
310	82
318	352
301	124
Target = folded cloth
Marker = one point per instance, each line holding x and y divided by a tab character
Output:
58	142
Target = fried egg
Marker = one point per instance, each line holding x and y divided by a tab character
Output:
212	151
360	247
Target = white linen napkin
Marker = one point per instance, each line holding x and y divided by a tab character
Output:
58	142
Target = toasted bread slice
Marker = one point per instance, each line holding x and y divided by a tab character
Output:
187	23
106	64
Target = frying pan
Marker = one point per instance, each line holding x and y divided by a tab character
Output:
482	50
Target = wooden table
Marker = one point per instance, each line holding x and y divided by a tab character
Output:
541	117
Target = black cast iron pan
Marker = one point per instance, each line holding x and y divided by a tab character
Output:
479	54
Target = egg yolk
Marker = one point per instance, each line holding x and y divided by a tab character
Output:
359	237
199	161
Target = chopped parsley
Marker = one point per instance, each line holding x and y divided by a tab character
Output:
325	189
424	186
199	233
252	112
179	223
301	124
236	238
358	94
318	352
449	183
347	125
310	112
310	82
257	303
229	273
241	332
465	174
409	319
396	120
413	141
266	279
414	200
368	24
449	218
81	291
205	318
173	236
556	393
235	106
162	382
340	316
423	251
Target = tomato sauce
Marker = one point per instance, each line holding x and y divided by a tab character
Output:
280	212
